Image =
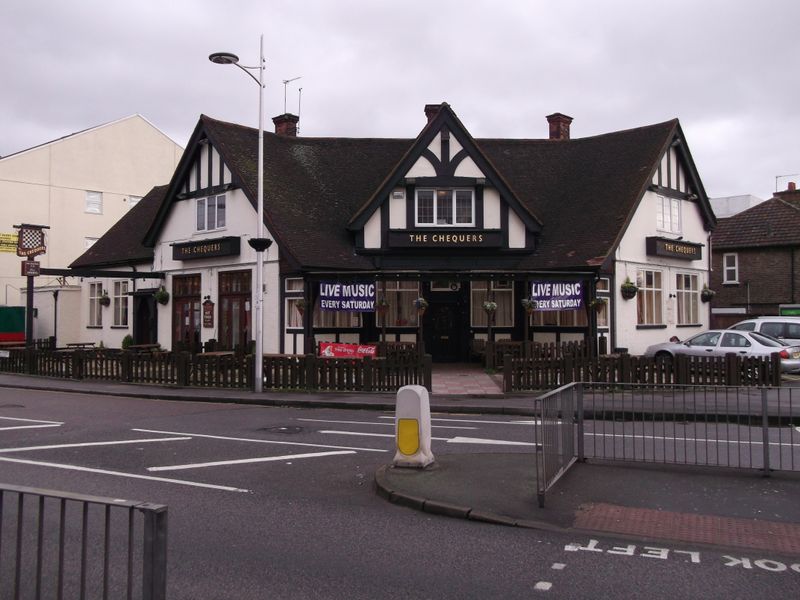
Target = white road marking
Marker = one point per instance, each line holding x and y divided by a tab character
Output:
236	439
631	437
85	444
469	440
32	420
543	586
37	463
244	461
40	424
476	421
27	427
455	440
558	566
383	424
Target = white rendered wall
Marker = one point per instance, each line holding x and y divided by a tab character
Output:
491	208
372	231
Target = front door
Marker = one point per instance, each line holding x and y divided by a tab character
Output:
186	313
234	309
443	326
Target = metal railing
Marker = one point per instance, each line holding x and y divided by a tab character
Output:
555	436
710	426
63	545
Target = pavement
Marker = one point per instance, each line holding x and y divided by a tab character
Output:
660	505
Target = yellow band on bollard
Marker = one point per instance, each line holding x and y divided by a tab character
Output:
408	436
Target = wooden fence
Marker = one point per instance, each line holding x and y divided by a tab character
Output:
493	352
545	373
223	370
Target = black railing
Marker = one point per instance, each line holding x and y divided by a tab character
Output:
63	545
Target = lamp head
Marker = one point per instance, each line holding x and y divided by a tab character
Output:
223	58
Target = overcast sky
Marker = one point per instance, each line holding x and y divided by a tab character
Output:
727	69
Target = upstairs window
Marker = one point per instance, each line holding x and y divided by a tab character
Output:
211	213
94	203
730	268
669	214
445	208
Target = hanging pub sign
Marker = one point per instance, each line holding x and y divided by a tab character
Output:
557	295
30	240
348	297
31	268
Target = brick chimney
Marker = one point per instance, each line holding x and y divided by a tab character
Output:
286	124
431	110
559	126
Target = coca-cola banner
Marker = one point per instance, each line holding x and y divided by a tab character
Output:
350	297
336	350
557	295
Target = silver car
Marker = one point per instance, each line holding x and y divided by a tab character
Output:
719	342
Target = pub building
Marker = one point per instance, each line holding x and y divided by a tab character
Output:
367	232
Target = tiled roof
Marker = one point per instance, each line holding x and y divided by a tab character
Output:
775	222
122	244
584	191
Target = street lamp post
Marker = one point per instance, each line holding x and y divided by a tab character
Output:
259	243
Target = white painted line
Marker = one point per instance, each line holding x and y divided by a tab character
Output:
558	566
244	461
382	424
32	420
477	421
468	440
455	440
236	439
86	444
632	437
37	463
27	427
543	586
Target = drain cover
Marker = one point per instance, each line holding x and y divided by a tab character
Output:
283	429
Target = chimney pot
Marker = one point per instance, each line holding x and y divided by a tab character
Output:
286	124
559	126
792	186
431	110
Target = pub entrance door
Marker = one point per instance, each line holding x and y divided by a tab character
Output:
444	326
186	313
234	309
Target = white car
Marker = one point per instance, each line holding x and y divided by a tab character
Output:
786	329
719	342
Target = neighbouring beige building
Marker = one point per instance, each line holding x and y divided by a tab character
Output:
79	186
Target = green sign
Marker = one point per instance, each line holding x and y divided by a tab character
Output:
789	310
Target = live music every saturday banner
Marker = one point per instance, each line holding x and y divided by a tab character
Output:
350	297
557	295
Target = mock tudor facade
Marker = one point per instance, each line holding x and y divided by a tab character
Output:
445	217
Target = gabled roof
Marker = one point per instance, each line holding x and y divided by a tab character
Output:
775	222
445	119
122	244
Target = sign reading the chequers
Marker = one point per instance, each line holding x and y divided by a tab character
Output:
557	295
349	297
445	238
657	246
224	246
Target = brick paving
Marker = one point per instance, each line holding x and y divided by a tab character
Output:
688	527
464	380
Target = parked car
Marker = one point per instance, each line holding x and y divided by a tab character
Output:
786	329
719	342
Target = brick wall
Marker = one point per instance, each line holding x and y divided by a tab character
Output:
769	274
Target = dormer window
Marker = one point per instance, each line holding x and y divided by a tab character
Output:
211	213
445	208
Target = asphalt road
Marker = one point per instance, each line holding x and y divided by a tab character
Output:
289	509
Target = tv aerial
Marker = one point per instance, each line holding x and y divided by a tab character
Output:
286	82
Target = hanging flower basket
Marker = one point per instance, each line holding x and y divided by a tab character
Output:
161	295
104	300
529	305
421	305
628	289
707	294
300	305
490	307
598	304
381	305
